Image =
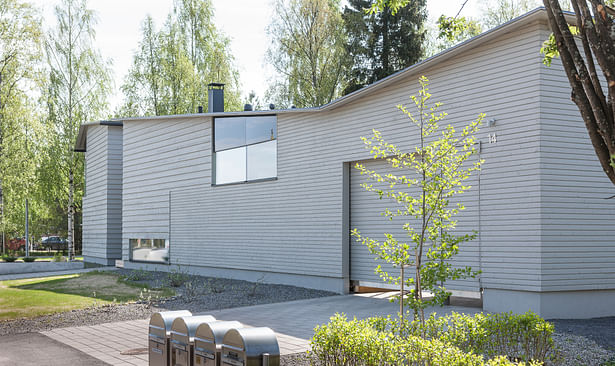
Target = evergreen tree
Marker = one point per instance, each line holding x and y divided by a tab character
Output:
381	43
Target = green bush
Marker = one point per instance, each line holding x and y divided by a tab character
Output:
456	339
9	258
28	259
177	277
137	275
58	257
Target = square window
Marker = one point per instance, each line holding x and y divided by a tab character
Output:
245	149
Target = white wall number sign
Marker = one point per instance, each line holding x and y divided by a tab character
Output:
493	138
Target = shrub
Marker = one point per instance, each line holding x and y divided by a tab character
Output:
29	259
177	277
456	339
9	258
521	337
137	275
58	257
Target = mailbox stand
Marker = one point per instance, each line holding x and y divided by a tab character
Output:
159	334
250	347
182	338
208	342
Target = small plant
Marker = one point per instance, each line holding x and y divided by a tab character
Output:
191	291
137	275
28	259
9	258
58	257
177	277
255	285
212	286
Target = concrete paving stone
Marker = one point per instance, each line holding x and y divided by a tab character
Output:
293	323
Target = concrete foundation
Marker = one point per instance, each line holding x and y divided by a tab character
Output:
552	305
337	285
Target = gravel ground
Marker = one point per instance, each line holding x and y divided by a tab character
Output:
196	293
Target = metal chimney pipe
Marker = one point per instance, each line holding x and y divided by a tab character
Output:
215	97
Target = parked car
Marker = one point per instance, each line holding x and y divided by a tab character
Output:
54	243
16	244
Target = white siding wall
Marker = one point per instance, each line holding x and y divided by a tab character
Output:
94	200
114	192
293	224
102	203
160	156
578	223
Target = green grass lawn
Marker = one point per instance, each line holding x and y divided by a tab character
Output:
43	259
39	296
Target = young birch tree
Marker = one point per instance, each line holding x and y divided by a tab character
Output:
79	84
429	177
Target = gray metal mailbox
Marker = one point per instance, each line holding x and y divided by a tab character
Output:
182	338
250	347
159	334
208	342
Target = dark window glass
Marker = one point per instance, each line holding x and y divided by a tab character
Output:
260	129
230	132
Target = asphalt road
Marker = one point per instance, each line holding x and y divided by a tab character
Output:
37	349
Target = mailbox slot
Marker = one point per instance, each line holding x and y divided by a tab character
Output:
183	330
250	347
159	334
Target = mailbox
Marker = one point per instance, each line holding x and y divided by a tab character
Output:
182	338
250	347
159	334
208	342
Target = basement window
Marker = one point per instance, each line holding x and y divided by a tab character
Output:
245	149
149	250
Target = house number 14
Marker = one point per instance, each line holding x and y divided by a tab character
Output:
493	138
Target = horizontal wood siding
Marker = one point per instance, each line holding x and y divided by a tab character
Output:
293	224
95	198
114	192
578	222
160	156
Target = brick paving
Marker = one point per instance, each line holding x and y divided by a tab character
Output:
292	321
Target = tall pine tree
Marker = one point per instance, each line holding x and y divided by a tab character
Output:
381	43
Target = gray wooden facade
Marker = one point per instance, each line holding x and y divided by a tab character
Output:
546	236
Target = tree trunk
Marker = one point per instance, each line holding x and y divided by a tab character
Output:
71	221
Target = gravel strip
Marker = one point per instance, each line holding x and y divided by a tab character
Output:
196	293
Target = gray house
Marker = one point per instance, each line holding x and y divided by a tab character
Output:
242	194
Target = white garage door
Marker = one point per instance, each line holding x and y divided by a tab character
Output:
366	216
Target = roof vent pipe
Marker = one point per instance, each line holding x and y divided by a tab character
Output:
215	97
247	107
200	109
272	106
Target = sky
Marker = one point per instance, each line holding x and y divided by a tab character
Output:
243	21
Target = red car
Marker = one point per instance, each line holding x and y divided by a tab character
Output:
16	244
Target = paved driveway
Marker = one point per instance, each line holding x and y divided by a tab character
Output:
292	321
